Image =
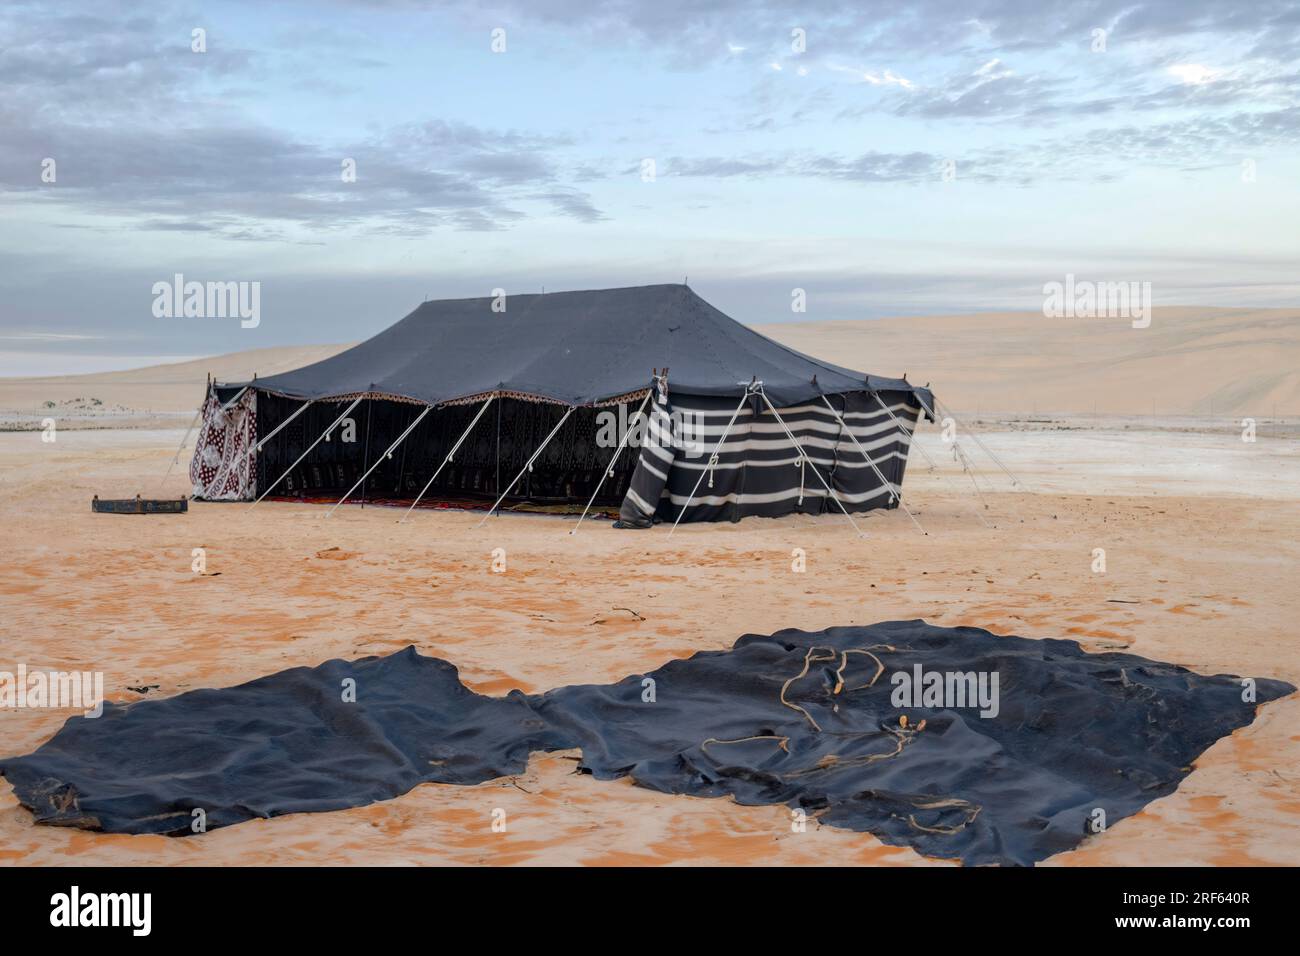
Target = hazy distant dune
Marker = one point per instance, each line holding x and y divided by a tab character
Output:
1189	361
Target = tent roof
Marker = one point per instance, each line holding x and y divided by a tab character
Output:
573	348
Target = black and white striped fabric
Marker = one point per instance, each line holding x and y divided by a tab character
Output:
758	470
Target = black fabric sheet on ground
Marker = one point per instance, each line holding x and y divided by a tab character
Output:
287	743
795	718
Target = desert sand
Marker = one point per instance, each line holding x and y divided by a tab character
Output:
1201	532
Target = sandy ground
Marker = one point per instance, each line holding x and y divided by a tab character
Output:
1201	531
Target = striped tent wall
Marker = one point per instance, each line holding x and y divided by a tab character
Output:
759	471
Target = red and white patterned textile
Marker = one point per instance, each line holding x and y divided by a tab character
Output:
224	466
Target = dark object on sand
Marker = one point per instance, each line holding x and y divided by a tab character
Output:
139	506
809	720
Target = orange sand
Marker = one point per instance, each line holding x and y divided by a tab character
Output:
1211	569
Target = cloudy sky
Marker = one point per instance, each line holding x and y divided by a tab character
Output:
888	158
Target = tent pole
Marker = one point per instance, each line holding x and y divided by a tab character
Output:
365	455
713	457
238	395
529	465
609	469
794	441
275	431
454	447
879	474
913	444
976	438
354	404
409	428
904	429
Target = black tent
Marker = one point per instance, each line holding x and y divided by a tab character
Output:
545	389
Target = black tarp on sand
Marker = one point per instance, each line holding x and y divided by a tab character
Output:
796	718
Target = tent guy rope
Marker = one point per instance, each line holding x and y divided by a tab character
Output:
428	484
529	465
409	428
609	469
355	403
713	457
893	494
794	441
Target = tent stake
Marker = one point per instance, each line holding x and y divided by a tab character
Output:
529	465
409	428
609	469
428	484
354	404
898	496
713	457
794	441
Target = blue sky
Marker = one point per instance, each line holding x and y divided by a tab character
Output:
775	168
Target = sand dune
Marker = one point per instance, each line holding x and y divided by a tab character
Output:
1190	361
144	395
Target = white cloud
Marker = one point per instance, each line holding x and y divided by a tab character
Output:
992	70
1194	73
876	78
888	78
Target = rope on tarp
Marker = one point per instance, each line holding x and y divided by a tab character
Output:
808	659
783	742
844	662
902	734
970	809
